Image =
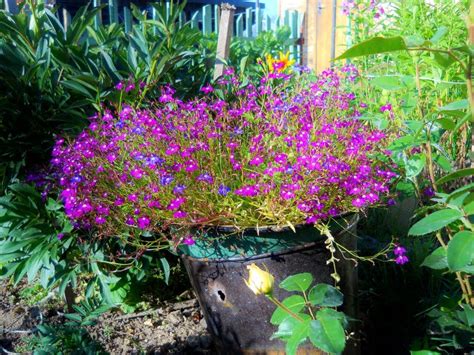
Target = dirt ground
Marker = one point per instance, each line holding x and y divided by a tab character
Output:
170	328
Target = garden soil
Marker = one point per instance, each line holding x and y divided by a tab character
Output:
171	328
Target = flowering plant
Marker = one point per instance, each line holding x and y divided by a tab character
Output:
277	154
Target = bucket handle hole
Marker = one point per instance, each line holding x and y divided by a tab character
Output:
221	295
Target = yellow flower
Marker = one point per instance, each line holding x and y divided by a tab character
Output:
270	60
285	61
260	281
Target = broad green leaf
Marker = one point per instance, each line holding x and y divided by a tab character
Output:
456	175
415	164
327	332
295	303
300	333
446	123
435	221
325	295
437	260
454	106
285	329
439	34
298	282
461	250
424	352
374	45
387	83
442	162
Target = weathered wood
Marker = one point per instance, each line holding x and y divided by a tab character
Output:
113	11
195	20
127	19
258	21
98	17
207	20
225	36
66	18
239	26
248	22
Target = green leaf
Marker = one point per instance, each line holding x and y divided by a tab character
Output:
415	165
456	175
387	83
374	45
166	269
435	221
461	250
298	282
424	352
300	333
285	329
295	303
327	332
454	106
325	295
439	34
437	260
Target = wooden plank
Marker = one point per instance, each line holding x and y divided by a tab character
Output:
98	17
258	21
239	26
248	22
286	18
195	20
225	36
181	19
66	18
127	19
268	23
168	9
113	11
294	33
154	17
216	18
207	19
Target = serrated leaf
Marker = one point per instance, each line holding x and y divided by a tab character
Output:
300	333
435	221
325	295
298	282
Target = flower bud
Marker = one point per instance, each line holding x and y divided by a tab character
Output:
260	281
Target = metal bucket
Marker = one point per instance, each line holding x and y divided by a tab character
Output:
238	320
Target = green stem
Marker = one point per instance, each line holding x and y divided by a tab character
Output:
285	308
308	305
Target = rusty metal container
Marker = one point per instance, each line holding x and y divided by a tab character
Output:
238	320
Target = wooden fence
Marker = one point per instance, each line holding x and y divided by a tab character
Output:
247	24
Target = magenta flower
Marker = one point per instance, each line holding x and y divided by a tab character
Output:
189	240
136	173
143	222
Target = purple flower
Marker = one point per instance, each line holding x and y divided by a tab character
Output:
60	236
180	214
189	240
401	259
143	222
429	192
399	250
206	177
119	86
223	190
136	173
207	89
176	203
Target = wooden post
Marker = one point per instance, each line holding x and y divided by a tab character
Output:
225	36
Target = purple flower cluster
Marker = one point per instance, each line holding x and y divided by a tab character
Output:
278	153
400	254
356	7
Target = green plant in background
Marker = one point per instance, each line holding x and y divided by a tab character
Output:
435	142
71	337
310	315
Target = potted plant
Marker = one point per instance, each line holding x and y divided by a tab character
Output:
240	176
